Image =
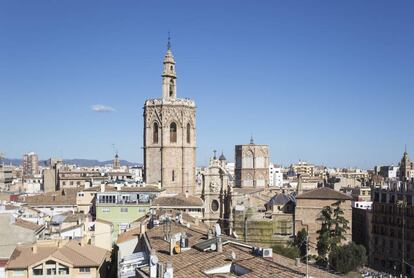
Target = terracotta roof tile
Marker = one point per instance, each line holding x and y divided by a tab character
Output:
64	197
193	263
179	200
128	235
72	253
27	224
324	193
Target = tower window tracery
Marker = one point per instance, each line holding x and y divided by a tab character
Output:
171	87
155	133
188	133
173	132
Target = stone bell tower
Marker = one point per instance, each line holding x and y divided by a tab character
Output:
170	135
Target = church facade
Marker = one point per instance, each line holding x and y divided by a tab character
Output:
170	136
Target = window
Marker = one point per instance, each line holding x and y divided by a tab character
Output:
172	175
124	209
84	269
173	132
106	210
171	87
78	183
155	133
37	272
214	205
188	133
63	270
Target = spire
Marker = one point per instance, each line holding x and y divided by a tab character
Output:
222	157
251	140
168	74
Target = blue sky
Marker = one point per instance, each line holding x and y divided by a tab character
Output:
330	82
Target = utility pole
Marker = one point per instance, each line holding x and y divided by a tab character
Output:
307	248
402	204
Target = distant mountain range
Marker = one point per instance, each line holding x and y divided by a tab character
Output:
76	161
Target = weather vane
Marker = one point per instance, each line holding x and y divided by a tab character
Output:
169	41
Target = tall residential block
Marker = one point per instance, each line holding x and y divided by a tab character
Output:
30	164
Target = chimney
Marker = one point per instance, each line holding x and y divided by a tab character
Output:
210	234
172	245
153	264
142	227
102	187
170	270
34	249
160	270
219	245
196	221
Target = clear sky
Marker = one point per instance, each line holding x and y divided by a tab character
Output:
330	82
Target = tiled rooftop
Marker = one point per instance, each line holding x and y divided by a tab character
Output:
194	263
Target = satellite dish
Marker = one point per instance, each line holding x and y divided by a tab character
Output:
218	229
213	247
154	260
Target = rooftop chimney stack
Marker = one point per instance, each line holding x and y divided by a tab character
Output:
153	264
143	227
172	245
34	249
219	245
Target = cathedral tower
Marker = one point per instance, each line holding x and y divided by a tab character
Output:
170	136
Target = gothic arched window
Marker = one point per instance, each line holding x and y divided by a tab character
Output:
215	205
171	87
188	133
173	132
155	133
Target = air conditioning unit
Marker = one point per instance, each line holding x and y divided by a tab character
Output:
267	253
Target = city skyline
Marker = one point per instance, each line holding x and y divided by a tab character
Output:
310	83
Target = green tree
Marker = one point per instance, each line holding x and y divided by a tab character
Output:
324	233
291	252
340	225
333	228
300	242
348	257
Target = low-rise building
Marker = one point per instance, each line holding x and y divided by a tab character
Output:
123	206
362	223
309	206
58	259
53	203
186	203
